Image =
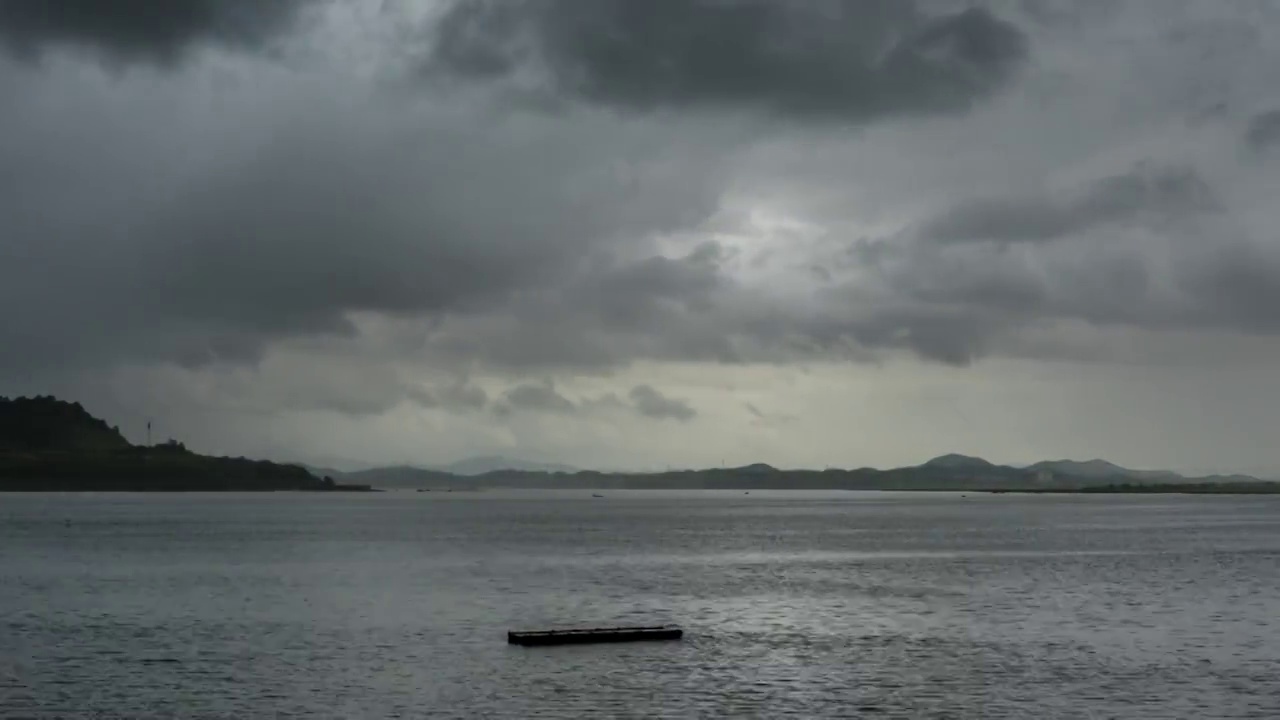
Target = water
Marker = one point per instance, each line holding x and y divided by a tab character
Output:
795	605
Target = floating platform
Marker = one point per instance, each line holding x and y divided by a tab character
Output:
595	635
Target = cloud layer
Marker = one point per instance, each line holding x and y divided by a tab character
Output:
502	210
838	61
139	30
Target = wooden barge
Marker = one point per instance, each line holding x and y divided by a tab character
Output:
595	635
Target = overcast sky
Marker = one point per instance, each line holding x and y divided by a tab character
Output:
646	234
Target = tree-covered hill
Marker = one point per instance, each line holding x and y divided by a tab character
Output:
47	444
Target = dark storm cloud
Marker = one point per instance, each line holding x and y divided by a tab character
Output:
693	309
651	289
158	31
182	218
607	314
313	237
653	404
845	60
853	324
950	336
307	219
1263	132
1146	193
1151	249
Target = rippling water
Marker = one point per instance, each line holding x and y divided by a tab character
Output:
794	604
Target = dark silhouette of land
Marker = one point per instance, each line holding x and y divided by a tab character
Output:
50	445
948	472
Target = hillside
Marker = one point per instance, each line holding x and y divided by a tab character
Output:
1087	468
50	445
45	424
1102	469
954	461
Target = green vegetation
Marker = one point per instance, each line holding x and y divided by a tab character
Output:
50	445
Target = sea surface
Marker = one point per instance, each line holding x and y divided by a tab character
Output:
803	604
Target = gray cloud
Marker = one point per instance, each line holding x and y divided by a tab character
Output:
456	396
153	31
207	219
1149	250
1151	193
768	420
653	404
539	397
298	227
607	314
1237	287
833	59
359	387
543	397
1263	131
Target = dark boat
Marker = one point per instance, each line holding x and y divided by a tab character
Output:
595	635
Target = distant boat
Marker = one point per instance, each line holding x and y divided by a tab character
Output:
596	495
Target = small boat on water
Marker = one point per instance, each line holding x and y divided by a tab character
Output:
596	495
595	635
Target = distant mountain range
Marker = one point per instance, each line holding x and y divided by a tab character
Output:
946	472
426	476
493	463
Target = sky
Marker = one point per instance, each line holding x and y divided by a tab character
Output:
643	235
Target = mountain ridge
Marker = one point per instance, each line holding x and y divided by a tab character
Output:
482	464
49	444
951	471
956	460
